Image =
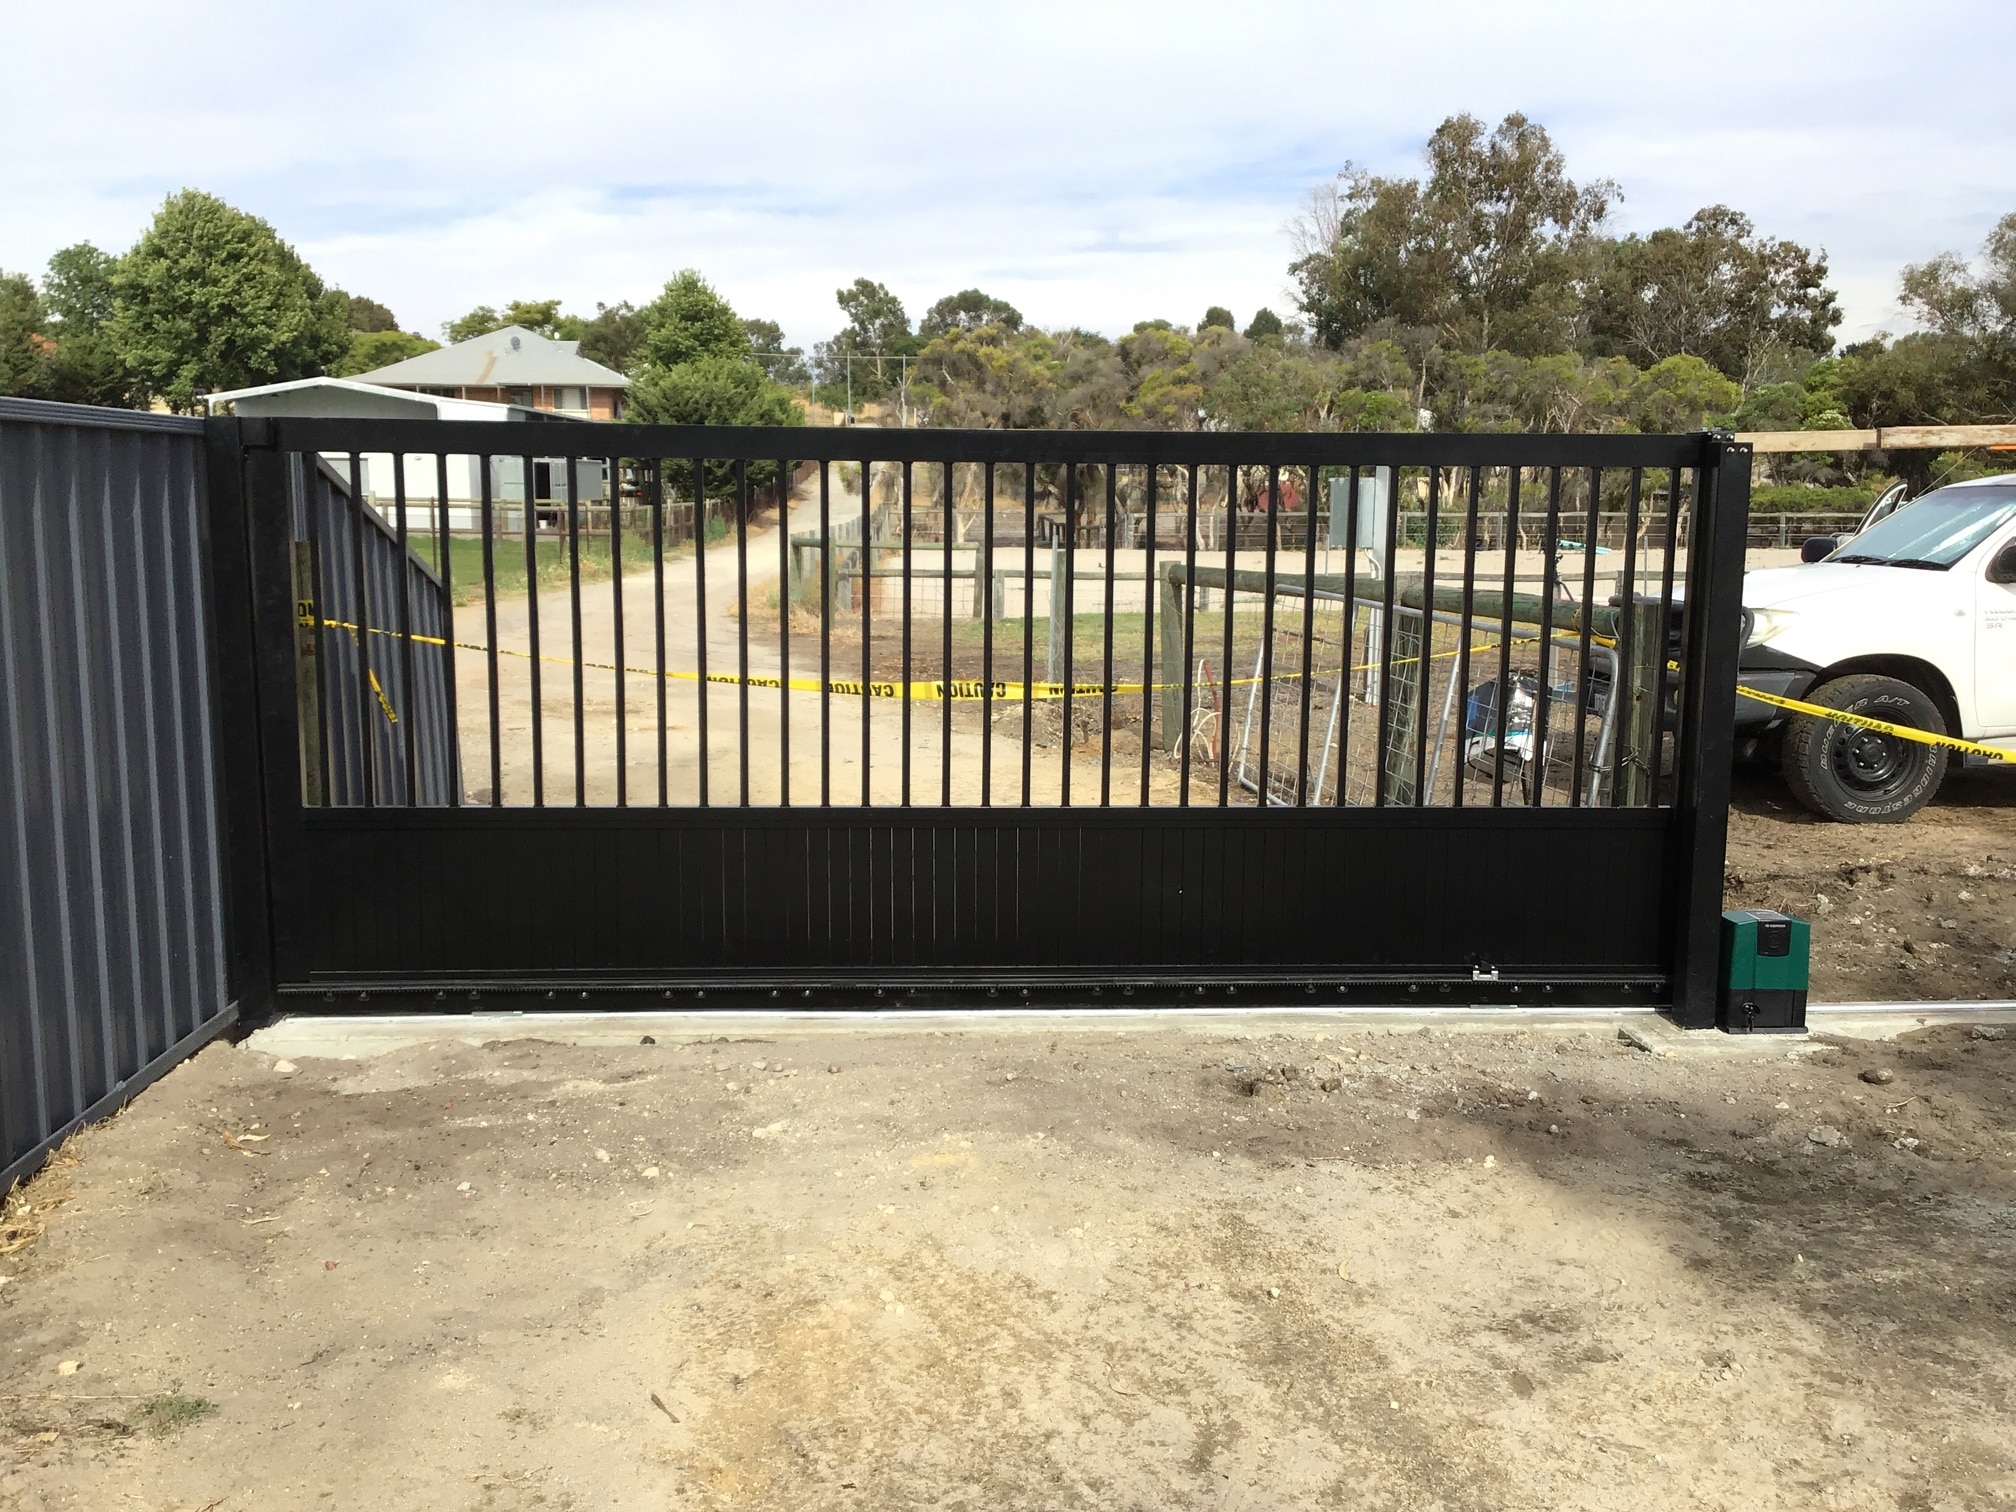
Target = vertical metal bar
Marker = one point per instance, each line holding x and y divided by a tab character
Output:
1225	668
1624	751
1028	620
1513	477
1544	702
1711	646
908	480
867	628
490	632
655	481
1673	486
612	491
574	616
1308	639
784	631
742	619
530	521
986	558
945	665
1070	622
700	619
1585	617
367	711
828	580
445	537
1149	679
1462	763
1350	628
1106	654
1432	528
404	569
1189	631
317	492
1383	726
1266	689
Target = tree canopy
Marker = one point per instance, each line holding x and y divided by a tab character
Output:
211	298
968	310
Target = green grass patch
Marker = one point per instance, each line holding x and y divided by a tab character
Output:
169	1413
552	554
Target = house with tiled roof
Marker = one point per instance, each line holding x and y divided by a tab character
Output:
513	366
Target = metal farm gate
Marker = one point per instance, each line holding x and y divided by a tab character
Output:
928	716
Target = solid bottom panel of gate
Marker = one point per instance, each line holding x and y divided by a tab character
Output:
859	906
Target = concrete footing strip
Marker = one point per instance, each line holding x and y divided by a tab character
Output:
355	1036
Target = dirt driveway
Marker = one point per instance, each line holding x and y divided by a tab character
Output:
995	1269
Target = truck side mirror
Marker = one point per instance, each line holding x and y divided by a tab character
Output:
2002	569
1818	548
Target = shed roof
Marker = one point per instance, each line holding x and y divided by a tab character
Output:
511	358
334	398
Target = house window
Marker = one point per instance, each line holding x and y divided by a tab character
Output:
571	399
520	396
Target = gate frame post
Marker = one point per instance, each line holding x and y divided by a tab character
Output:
1712	644
242	842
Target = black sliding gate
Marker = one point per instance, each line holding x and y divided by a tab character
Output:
625	716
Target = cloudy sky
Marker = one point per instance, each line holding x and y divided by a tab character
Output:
1095	163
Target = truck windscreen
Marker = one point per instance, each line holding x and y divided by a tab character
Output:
1936	531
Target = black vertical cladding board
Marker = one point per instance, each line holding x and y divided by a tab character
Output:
111	933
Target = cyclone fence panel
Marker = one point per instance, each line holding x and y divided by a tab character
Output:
658	714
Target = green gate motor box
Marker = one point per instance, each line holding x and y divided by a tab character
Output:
1763	976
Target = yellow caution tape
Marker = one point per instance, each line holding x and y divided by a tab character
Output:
956	690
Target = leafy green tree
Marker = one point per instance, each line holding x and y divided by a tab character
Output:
612	336
480	321
1484	248
211	298
1265	324
1681	393
78	296
1218	316
968	310
689	321
990	378
540	316
371	350
862	362
782	364
1957	300
78	287
712	390
368	315
1713	288
27	356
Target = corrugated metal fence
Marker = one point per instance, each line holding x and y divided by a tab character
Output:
372	647
112	932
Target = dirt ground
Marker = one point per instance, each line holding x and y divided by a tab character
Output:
1048	1268
1925	909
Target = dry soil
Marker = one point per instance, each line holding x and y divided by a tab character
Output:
1041	1269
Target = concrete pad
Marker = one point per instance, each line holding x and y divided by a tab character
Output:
359	1036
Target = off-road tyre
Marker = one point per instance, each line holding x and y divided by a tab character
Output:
1860	776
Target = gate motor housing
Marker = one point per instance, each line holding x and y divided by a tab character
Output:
1763	977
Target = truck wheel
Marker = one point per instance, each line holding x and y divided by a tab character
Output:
1863	776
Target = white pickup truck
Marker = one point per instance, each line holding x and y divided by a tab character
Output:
1911	621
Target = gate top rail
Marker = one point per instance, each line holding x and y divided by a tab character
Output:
873	444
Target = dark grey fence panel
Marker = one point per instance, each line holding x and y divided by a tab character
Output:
374	718
112	945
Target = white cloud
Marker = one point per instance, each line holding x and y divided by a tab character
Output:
1096	164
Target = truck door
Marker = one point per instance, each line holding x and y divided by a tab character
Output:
1995	647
